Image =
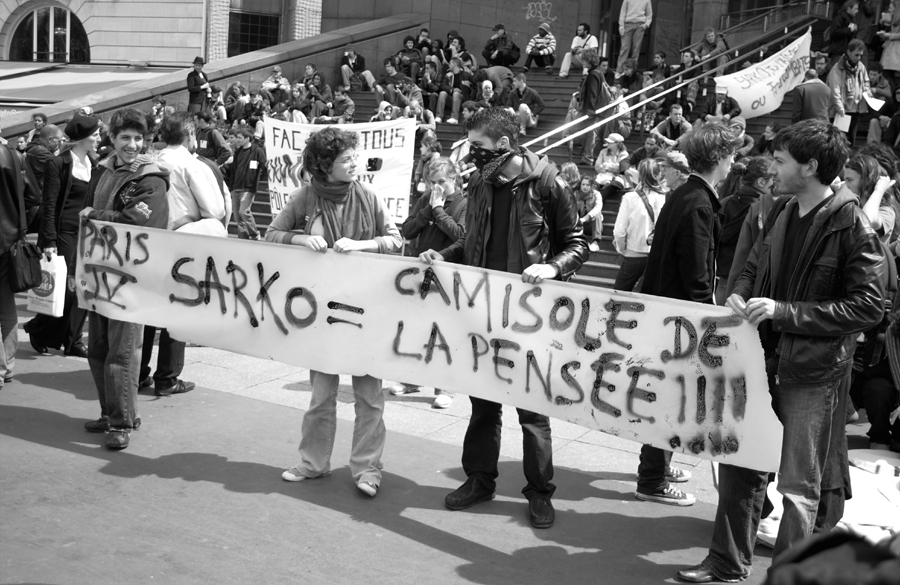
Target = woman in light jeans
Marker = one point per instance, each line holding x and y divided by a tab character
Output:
338	212
635	223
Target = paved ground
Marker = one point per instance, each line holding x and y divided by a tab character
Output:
198	496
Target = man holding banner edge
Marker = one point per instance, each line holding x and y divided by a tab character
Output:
515	198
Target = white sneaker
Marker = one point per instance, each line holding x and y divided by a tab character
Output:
452	121
293	474
400	390
368	488
594	246
442	401
437	119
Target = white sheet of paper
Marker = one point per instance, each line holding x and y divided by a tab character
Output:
842	122
874	102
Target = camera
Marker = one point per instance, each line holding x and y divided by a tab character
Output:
373	165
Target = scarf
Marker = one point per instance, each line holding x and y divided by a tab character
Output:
347	211
492	173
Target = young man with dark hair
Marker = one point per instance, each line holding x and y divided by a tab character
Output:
500	48
210	142
410	58
681	265
387	83
453	86
812	283
242	177
583	40
525	102
555	249
123	189
341	109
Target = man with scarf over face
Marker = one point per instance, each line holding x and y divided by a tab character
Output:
513	194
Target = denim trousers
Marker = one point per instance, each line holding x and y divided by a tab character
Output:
442	104
814	450
630	272
481	448
9	323
169	360
241	203
114	355
320	423
568	62
632	37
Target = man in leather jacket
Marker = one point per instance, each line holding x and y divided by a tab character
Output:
812	283
511	197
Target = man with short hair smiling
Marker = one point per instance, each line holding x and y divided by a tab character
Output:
812	283
123	189
503	198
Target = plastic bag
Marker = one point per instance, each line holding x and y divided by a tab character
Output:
48	298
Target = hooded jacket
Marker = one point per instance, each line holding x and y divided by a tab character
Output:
141	200
835	293
537	234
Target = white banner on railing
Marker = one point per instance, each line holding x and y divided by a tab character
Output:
760	88
681	376
386	158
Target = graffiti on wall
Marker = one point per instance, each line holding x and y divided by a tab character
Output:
540	11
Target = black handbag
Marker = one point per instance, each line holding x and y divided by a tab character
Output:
24	257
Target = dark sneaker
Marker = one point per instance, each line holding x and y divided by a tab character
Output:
467	495
117	439
79	351
671	496
704	573
101	425
541	512
146	382
180	387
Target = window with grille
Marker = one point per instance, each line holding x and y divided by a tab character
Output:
250	32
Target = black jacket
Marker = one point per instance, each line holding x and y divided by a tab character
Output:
141	201
358	66
37	155
11	188
835	293
212	145
57	184
592	96
243	173
435	228
732	214
194	83
708	106
537	235
681	263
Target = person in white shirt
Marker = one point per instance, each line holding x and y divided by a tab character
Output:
634	18
196	205
583	40
635	223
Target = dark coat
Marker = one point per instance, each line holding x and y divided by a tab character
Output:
141	201
11	188
707	105
358	66
681	263
212	145
537	235
731	215
841	35
435	228
593	97
835	292
507	51
37	156
194	82
57	184
812	99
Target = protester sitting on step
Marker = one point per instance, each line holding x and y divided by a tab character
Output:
541	50
583	40
610	169
525	102
456	86
336	211
718	107
590	210
500	49
386	87
354	73
430	84
410	58
673	128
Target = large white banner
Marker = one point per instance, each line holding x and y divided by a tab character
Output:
385	159
760	88
681	376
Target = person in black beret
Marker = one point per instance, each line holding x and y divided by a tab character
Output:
65	191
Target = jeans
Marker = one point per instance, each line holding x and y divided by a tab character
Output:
654	463
241	203
442	104
169	360
114	356
320	424
539	60
630	273
347	73
570	61
632	38
63	332
481	448
390	91
9	323
809	413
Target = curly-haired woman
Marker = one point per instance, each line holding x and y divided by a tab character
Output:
336	211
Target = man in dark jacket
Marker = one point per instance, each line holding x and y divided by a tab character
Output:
591	97
39	152
681	265
500	49
210	142
719	107
242	176
410	58
11	189
123	190
197	86
354	65
525	102
812	283
812	99
508	176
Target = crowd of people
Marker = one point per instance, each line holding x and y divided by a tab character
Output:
793	232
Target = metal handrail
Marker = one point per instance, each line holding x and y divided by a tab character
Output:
679	75
636	106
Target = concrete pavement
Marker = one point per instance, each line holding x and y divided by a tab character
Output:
198	496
